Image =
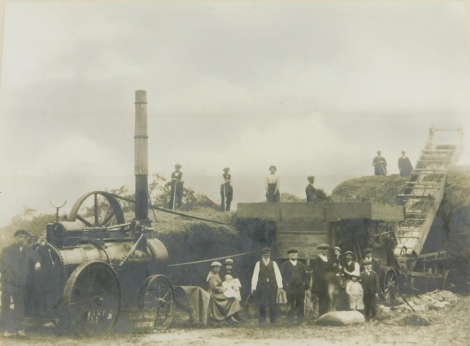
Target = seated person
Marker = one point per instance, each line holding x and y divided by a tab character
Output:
232	287
220	307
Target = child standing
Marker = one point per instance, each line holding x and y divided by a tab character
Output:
370	285
355	293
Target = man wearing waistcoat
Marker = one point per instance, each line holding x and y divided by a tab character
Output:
295	281
226	190
350	267
176	193
267	282
370	287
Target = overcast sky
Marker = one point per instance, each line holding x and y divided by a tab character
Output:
314	88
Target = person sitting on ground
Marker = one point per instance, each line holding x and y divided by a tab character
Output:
232	287
220	307
355	293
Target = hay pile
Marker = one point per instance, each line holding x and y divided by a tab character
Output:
380	189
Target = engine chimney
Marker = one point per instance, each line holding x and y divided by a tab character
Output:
141	158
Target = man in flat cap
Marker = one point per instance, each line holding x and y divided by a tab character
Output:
267	283
322	269
310	191
404	165
176	193
350	267
371	289
368	257
226	190
380	164
272	185
17	263
295	282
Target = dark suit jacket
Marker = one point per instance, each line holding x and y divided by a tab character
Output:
320	269
294	274
311	193
17	266
375	266
370	283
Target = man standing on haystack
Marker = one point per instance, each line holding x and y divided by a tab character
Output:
295	281
267	282
272	185
310	191
404	165
226	190
176	193
380	164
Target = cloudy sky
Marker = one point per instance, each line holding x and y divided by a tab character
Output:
314	88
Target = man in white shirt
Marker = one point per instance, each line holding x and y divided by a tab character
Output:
267	282
272	185
351	267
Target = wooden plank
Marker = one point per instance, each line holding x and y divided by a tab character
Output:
347	210
386	212
268	211
302	210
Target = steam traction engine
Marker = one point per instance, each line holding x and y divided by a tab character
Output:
94	269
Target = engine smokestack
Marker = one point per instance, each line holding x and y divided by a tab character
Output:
141	157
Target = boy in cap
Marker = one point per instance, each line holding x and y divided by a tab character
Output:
310	191
371	288
404	165
16	264
295	282
267	282
355	293
322	266
368	257
226	190
176	193
272	185
380	164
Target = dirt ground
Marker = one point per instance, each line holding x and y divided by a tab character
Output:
449	326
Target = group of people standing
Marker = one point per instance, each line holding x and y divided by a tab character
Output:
380	164
271	282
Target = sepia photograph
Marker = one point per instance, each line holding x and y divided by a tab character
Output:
239	173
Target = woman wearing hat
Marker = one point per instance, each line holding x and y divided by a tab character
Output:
220	307
272	185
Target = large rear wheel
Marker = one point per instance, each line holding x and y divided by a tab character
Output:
92	298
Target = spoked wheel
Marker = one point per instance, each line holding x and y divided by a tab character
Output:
390	286
157	294
97	209
92	298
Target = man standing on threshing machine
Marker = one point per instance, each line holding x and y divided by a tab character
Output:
322	269
176	193
295	282
351	267
272	185
16	267
226	190
267	282
310	191
404	165
380	164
